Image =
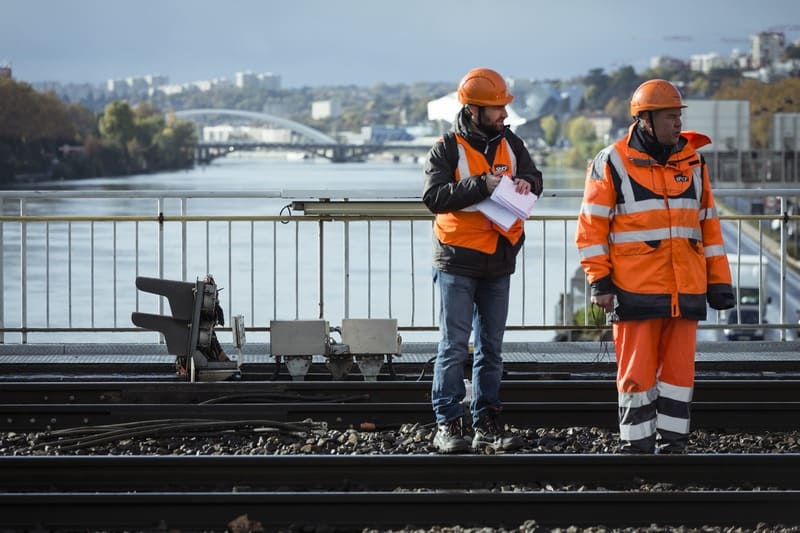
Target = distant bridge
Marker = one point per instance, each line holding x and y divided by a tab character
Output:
320	145
302	129
337	153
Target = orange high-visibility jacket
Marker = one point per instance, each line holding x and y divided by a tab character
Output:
650	233
468	227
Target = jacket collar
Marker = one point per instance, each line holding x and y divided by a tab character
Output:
640	140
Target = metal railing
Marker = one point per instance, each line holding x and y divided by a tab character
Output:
70	260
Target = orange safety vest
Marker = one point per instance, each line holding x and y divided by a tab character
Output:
468	227
653	228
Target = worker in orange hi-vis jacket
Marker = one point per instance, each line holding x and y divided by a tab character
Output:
650	242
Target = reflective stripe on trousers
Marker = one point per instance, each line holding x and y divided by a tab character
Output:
642	414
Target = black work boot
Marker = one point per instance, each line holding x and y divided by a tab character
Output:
449	437
670	443
645	446
492	433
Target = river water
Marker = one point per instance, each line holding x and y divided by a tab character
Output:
285	180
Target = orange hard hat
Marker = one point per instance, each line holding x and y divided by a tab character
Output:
655	94
483	87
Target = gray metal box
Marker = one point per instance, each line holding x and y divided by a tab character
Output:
299	337
370	336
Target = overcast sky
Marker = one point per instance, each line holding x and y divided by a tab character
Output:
362	42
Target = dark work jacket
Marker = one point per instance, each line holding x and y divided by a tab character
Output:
443	194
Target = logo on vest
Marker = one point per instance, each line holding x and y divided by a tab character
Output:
500	169
681	178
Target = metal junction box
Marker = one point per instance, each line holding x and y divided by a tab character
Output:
370	336
299	337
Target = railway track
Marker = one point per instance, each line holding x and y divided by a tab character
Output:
346	492
33	406
354	492
389	472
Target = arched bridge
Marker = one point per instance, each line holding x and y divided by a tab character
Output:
317	136
317	143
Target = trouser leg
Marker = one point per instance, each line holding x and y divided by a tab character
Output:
635	343
489	322
455	324
675	384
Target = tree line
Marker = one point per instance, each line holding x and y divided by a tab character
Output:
609	95
42	137
125	137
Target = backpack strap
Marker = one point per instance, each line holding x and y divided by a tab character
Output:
450	148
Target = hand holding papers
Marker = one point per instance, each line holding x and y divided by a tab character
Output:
506	205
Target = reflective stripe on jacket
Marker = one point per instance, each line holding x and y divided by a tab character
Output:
468	227
653	229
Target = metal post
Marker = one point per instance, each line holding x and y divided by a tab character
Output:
230	268
114	286
782	308
160	208
69	272
369	269
389	269
252	276
544	269
23	271
413	279
566	274
184	253
321	244
136	258
91	271
346	269
2	278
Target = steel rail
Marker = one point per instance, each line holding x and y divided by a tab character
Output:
355	511
142	473
336	392
780	415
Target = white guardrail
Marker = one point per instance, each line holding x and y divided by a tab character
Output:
70	260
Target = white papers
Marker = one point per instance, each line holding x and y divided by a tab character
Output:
506	205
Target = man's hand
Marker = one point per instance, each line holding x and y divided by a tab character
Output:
538	186
522	186
604	302
492	181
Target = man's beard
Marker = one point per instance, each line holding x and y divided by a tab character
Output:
490	128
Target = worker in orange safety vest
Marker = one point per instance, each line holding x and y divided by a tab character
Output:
650	242
473	260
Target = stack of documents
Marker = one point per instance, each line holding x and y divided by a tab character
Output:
506	205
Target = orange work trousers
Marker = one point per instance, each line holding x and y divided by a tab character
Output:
655	349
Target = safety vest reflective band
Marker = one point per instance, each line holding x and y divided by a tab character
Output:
468	227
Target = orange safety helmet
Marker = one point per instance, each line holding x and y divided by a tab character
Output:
655	94
483	87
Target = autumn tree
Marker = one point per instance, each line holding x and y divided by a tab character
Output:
765	99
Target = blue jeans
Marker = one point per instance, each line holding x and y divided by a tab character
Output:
469	304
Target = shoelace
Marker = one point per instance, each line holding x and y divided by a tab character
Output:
494	426
454	428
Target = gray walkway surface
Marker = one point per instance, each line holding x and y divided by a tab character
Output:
535	352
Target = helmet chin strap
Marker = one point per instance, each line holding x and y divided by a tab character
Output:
653	137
